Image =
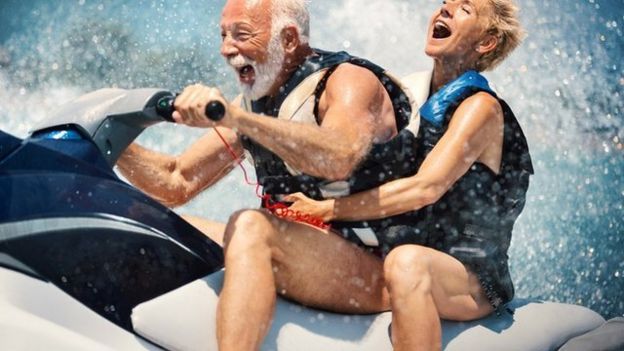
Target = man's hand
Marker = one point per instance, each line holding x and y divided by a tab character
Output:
190	106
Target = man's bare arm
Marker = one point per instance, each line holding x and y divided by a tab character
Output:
351	114
174	181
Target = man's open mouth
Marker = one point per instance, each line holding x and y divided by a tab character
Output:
441	30
246	74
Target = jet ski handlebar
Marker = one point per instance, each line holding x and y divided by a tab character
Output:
113	118
215	110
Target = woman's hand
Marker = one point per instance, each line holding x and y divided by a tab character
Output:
320	209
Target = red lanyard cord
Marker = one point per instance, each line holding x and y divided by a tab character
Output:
279	209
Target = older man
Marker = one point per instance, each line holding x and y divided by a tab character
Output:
335	114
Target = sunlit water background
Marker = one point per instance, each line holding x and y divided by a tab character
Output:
565	84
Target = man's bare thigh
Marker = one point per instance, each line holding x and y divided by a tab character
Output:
321	269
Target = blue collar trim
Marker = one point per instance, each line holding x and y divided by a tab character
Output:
451	95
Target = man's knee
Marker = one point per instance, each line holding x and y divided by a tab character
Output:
408	268
247	227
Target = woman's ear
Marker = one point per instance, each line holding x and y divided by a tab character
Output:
290	39
487	44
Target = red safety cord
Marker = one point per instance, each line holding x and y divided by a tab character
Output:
279	209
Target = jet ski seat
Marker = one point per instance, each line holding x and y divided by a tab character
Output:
184	319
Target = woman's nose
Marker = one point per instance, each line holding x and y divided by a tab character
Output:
447	10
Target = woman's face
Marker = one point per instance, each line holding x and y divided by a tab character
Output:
456	30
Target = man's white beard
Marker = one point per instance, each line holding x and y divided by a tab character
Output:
266	73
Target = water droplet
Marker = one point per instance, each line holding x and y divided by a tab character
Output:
64	279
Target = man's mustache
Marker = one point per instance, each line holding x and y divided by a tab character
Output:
239	61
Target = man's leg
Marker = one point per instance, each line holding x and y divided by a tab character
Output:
306	264
213	230
426	285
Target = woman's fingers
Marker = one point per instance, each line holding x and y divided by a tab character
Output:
293	197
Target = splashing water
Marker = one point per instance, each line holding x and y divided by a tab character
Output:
565	83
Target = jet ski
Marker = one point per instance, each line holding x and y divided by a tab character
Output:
88	262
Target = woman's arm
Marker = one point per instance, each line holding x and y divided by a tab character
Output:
476	125
174	181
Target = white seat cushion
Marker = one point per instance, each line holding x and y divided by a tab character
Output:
184	319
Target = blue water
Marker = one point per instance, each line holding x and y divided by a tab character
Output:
565	83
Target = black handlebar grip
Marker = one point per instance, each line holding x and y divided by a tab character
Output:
164	107
215	111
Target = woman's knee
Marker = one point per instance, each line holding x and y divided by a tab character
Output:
408	268
247	228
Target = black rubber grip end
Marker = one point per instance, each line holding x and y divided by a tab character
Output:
215	111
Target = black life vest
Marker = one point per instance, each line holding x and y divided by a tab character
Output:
480	200
387	161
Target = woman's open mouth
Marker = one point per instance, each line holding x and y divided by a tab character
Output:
441	30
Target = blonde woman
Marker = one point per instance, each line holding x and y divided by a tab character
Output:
442	235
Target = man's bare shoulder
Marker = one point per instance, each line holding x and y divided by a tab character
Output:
349	81
355	73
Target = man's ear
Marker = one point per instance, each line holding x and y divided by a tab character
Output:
487	44
290	39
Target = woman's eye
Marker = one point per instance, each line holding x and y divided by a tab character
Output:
466	9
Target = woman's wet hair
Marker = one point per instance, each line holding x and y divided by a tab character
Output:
504	24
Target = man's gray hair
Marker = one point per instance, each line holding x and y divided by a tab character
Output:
288	13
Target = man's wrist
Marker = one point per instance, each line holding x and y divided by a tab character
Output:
233	115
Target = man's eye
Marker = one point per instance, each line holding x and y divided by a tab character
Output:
243	36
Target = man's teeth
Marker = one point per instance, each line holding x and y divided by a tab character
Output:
245	70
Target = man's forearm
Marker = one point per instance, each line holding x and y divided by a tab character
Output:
152	173
308	148
175	180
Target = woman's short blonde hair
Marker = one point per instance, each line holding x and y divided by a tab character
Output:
504	24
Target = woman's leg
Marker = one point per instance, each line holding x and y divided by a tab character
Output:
425	285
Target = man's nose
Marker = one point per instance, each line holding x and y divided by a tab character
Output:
228	49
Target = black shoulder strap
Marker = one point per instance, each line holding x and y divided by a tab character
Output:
320	88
